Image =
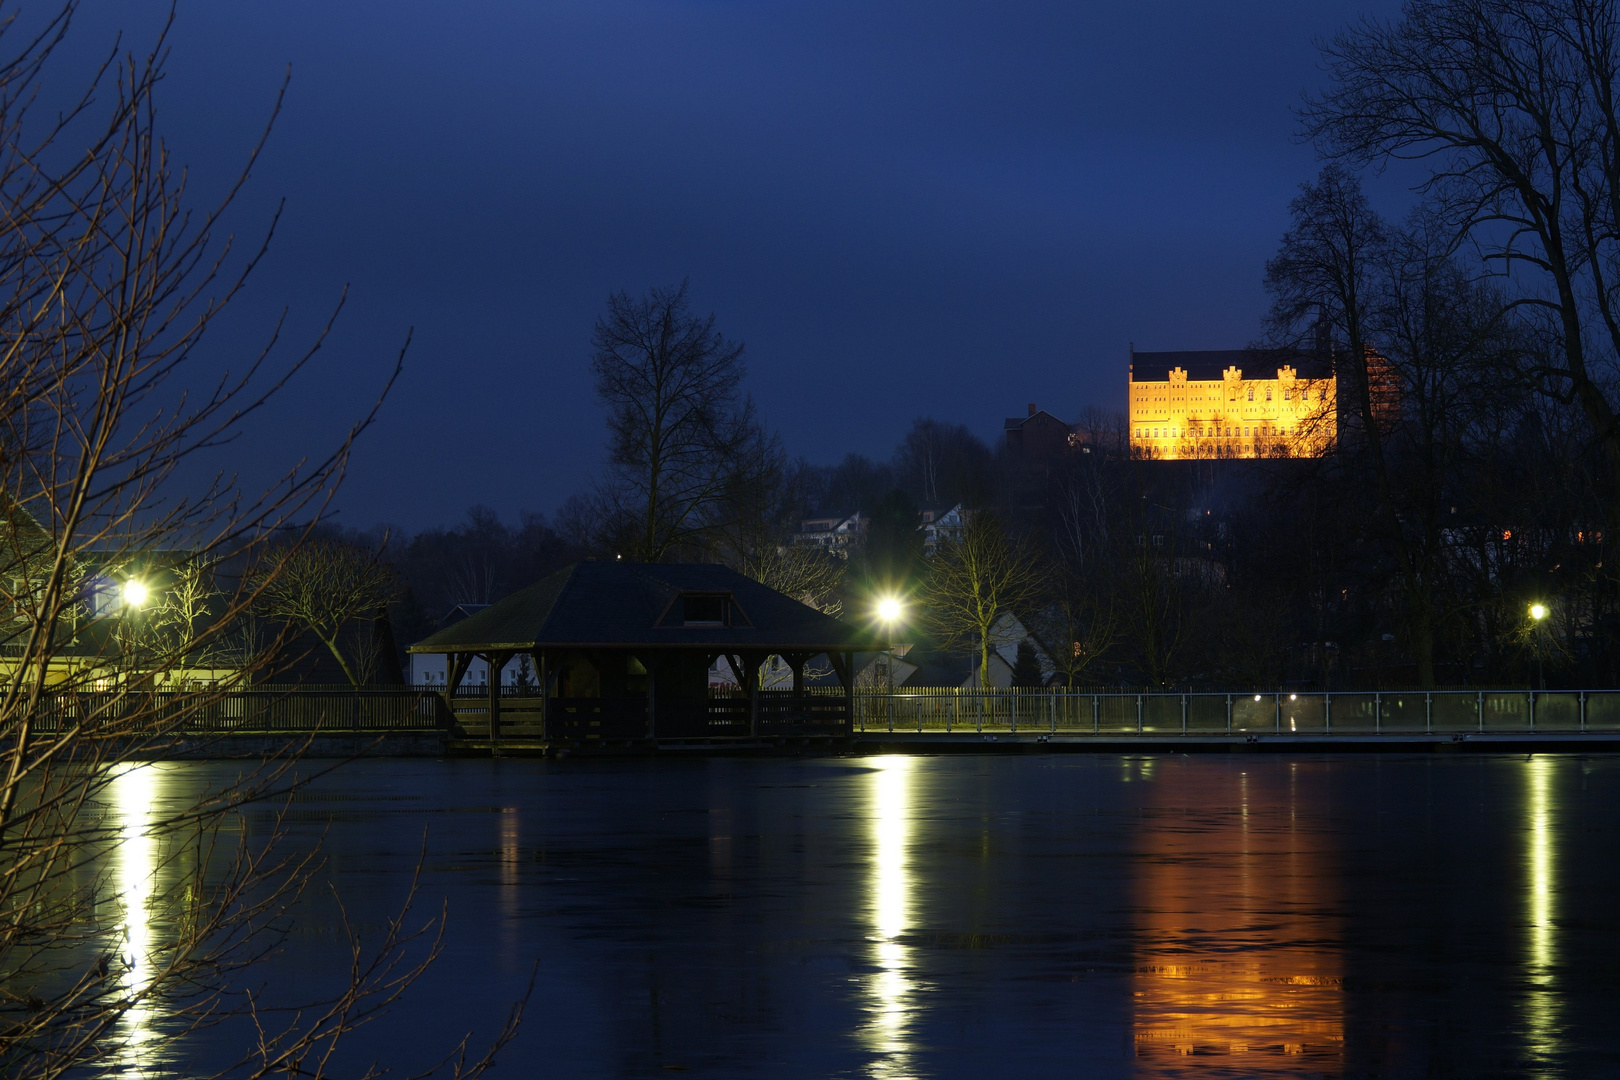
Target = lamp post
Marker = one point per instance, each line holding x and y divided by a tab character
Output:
889	610
1538	613
134	594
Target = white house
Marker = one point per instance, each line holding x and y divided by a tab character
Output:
427	669
940	526
923	668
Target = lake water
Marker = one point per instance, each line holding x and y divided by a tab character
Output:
1242	915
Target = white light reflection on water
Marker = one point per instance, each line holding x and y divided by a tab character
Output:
133	875
891	988
1541	1006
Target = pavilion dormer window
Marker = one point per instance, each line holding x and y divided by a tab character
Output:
705	609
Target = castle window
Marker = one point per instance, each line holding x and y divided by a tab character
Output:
1251	393
1268	393
1288	395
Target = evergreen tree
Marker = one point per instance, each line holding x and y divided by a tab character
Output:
1026	668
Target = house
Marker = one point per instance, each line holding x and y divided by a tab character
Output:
943	525
835	533
923	664
1038	436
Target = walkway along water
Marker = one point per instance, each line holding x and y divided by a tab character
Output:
420	722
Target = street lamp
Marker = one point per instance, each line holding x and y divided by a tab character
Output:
889	610
135	593
1538	612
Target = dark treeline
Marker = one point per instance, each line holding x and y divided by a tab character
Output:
1411	555
1456	534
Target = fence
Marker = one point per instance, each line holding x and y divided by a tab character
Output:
270	709
951	710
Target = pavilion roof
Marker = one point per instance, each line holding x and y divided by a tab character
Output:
617	604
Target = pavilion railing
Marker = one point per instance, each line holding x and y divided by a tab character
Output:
1113	713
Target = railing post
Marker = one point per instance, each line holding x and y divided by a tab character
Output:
1327	713
1583	711
1012	708
1277	710
1051	711
980	695
1378	713
1532	710
1229	714
1096	717
1428	711
1184	714
1139	714
1480	703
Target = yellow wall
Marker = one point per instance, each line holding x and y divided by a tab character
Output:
1236	417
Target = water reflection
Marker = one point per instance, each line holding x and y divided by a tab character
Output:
1541	1005
1234	904
891	988
132	793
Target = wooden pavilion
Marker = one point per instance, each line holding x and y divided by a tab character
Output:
623	651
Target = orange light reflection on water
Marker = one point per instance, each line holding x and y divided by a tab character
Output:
1238	964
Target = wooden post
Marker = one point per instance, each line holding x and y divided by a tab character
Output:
751	661
652	701
496	662
455	668
542	674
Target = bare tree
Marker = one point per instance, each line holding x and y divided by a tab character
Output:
810	575
943	463
109	280
973	582
683	440
1326	279
1514	102
322	586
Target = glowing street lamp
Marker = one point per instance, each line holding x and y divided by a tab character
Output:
135	593
1538	612
889	610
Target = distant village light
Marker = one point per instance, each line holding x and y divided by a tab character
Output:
134	593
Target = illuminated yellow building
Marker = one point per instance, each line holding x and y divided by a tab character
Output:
1235	403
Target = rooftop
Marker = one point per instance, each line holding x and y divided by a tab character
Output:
1208	364
615	604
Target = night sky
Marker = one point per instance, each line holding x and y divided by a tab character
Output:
904	209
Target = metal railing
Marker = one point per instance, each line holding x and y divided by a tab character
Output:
268	709
1112	713
951	710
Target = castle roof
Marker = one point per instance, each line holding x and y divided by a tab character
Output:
1208	365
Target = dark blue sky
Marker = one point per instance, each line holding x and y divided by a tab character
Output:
904	209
